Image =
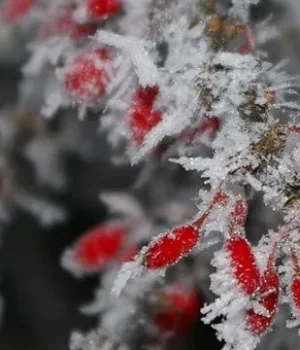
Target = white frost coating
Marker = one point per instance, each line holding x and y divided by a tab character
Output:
129	271
231	304
138	51
198	82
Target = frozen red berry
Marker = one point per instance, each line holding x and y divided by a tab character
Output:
98	9
143	117
65	25
145	97
14	10
142	121
178	312
243	263
171	247
87	76
267	297
295	292
100	245
295	284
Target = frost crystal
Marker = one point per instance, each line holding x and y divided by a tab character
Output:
183	89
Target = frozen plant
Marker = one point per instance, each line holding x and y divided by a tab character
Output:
178	85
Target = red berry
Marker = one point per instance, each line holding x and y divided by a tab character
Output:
86	77
243	264
102	8
180	311
100	245
64	24
268	298
295	283
143	117
14	10
142	121
171	247
145	97
295	291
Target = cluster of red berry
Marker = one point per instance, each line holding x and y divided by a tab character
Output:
262	288
107	244
86	76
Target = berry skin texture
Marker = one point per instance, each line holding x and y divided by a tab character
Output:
244	267
295	292
295	284
181	310
14	10
268	298
171	247
86	77
98	9
100	245
143	117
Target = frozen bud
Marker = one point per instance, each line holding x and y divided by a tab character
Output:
100	245
295	284
86	77
179	308
143	117
98	9
171	246
243	263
